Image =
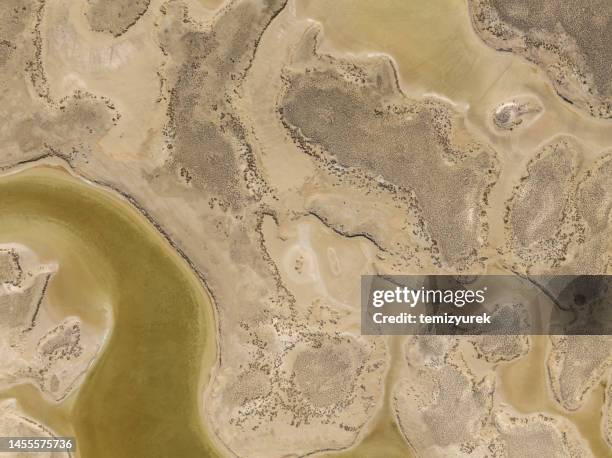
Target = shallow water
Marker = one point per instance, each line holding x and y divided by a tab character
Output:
143	396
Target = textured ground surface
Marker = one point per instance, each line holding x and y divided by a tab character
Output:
284	158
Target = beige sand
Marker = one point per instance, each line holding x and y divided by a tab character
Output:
284	157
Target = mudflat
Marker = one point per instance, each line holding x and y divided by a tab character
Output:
146	385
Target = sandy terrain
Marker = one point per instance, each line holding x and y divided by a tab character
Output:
14	424
282	158
38	348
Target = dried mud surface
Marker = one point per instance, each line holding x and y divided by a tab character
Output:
282	167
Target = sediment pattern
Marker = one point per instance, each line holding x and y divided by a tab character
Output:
349	117
570	41
282	169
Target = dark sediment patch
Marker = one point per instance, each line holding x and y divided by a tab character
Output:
206	139
538	211
347	117
115	16
571	41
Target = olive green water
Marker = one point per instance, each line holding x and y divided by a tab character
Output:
143	396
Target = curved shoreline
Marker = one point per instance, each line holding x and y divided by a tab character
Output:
210	362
